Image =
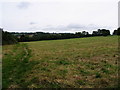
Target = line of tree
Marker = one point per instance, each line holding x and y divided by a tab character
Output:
25	37
51	36
14	37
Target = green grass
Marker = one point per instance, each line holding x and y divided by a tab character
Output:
16	66
81	63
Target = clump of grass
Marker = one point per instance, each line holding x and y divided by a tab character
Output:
51	84
104	70
63	62
84	72
44	69
62	72
34	79
81	82
98	75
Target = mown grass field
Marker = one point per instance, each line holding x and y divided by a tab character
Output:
71	63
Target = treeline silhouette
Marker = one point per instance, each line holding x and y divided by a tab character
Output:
14	37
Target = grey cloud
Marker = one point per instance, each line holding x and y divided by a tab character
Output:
74	27
32	23
23	5
68	28
60	27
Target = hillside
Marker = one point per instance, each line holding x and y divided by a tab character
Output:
82	63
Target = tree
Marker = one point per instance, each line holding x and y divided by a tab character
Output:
84	33
117	32
24	38
8	38
1	36
95	33
103	32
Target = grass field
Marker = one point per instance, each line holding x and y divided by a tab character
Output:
71	63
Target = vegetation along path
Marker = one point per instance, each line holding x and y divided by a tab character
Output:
82	63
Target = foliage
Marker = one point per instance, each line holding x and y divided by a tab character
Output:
8	38
101	32
117	32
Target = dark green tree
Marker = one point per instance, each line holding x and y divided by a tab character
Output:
8	38
117	32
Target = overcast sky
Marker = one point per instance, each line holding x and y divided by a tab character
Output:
58	15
